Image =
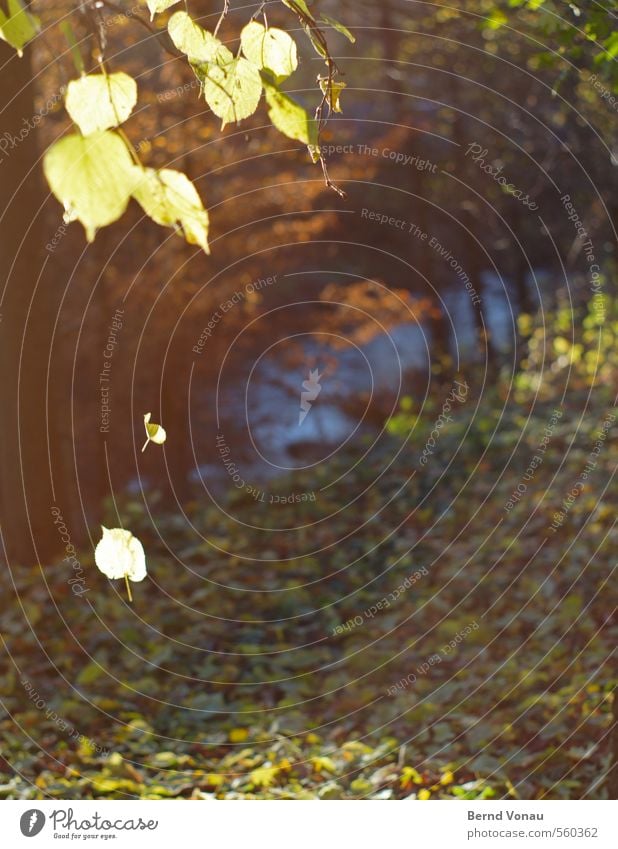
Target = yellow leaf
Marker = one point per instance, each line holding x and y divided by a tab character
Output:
170	199
323	764
410	776
264	776
92	178
98	102
238	735
154	432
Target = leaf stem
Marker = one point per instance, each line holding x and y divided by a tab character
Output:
126	580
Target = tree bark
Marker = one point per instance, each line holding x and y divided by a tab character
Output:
27	432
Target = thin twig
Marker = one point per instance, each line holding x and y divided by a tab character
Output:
226	9
159	34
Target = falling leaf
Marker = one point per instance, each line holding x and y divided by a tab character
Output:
154	432
120	555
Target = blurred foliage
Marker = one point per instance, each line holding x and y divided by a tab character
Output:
582	33
146	703
168	705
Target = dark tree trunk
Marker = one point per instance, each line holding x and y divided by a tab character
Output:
391	40
471	238
27	430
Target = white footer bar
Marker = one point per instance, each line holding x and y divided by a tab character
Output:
300	825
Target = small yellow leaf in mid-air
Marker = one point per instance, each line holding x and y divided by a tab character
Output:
154	432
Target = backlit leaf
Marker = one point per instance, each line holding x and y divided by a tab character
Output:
69	34
160	6
296	5
269	49
339	27
289	117
332	90
19	26
196	43
120	555
98	102
154	432
171	199
308	23
92	177
232	86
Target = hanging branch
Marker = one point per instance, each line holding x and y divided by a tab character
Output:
161	35
91	12
322	112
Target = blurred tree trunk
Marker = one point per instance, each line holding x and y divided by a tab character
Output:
471	242
391	40
174	407
26	491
